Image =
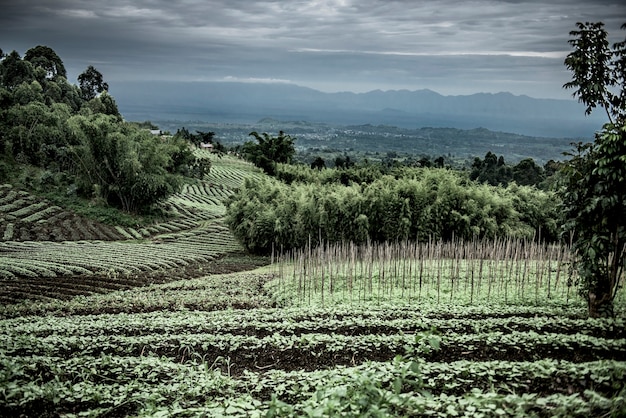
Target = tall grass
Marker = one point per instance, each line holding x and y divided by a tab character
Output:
468	272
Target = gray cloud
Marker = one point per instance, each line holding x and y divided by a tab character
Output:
453	47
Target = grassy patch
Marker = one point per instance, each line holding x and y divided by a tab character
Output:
101	212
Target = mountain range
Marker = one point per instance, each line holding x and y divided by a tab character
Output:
235	102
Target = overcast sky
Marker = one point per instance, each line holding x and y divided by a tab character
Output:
452	47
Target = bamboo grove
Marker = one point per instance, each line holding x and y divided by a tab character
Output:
414	204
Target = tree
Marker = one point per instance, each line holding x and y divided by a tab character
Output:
492	170
14	71
594	202
203	137
47	122
528	173
341	162
425	162
91	83
105	104
46	58
270	150
318	163
120	164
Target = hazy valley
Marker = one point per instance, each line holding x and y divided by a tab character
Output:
419	122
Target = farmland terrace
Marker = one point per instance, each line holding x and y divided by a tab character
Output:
175	319
47	252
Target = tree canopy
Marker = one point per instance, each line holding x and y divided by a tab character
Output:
45	57
77	136
91	83
269	150
594	202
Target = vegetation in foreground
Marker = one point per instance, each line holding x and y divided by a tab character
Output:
220	346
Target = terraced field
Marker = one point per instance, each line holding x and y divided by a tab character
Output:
47	252
137	322
24	217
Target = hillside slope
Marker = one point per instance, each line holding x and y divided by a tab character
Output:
48	252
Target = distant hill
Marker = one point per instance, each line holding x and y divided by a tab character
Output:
249	102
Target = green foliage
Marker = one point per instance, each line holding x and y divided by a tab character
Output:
595	209
91	83
45	57
594	179
53	125
145	125
203	137
104	104
598	70
528	173
318	163
198	139
150	357
121	165
15	71
290	173
491	170
344	162
414	204
269	150
181	158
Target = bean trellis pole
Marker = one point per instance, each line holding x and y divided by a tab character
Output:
443	271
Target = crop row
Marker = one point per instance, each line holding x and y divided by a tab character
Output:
251	290
227	171
107	383
204	191
194	210
315	351
9	196
605	376
364	396
11	267
263	323
230	176
457	377
28	210
63	226
206	292
32	259
7	193
25	217
93	258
